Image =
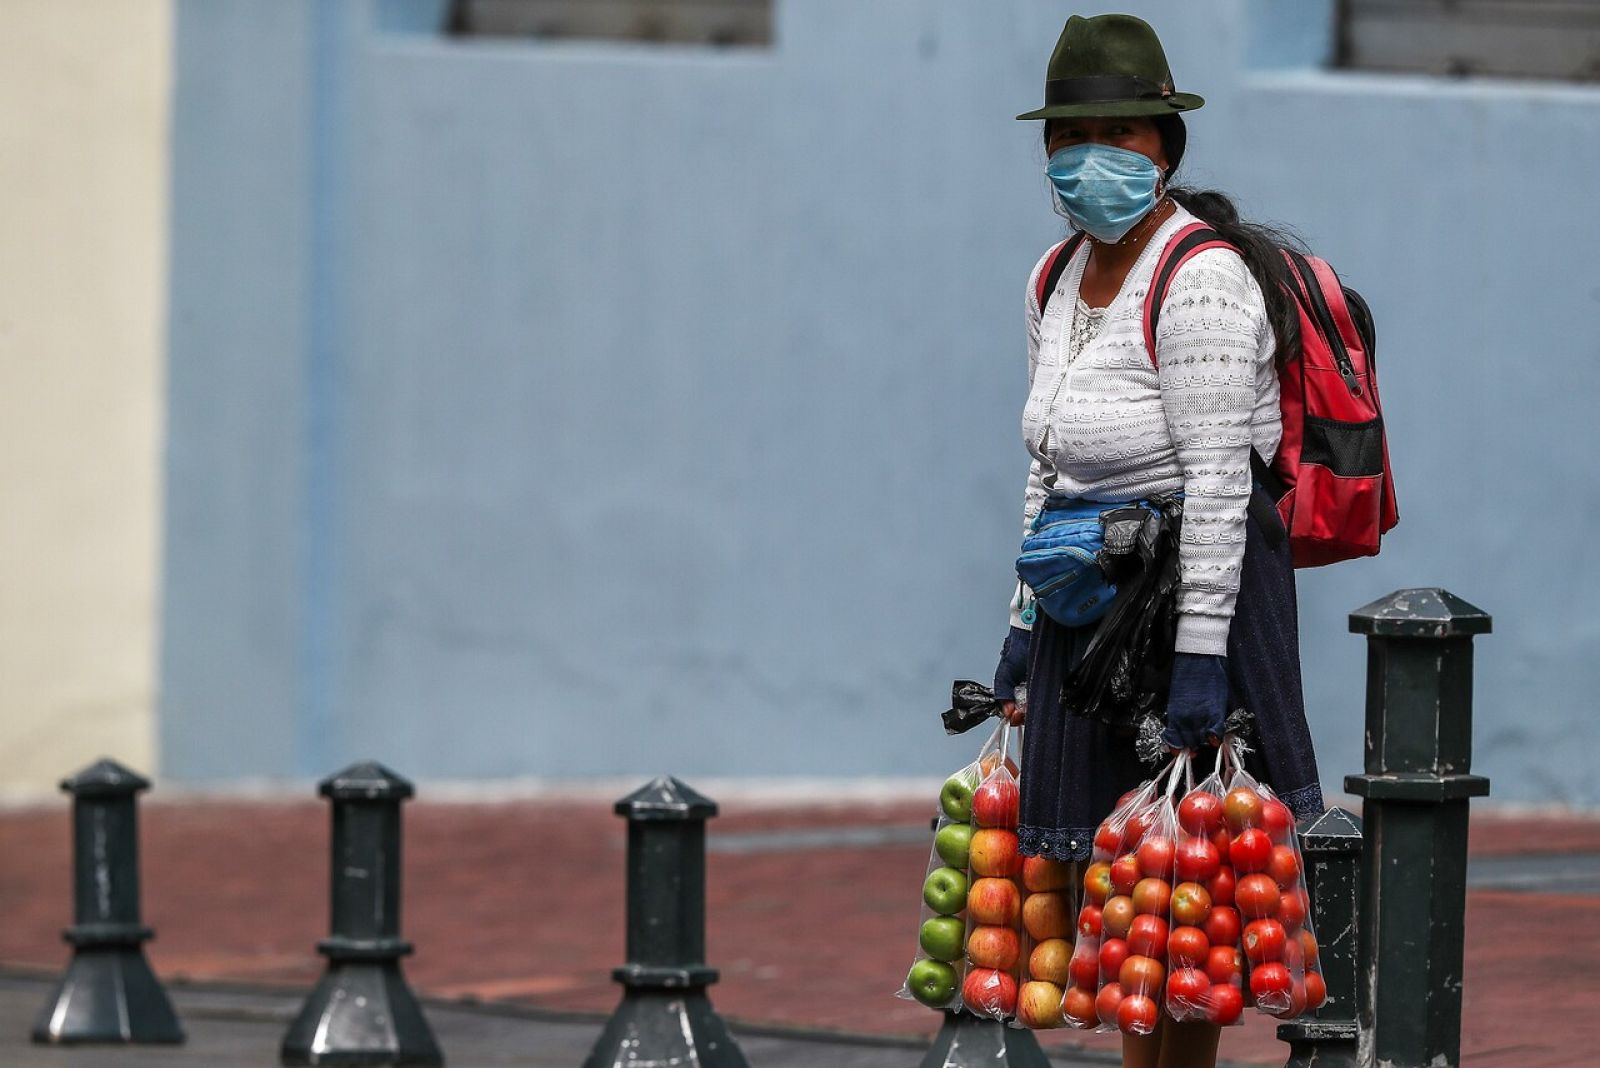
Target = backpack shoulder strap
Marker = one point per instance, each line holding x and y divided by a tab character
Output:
1183	246
1055	265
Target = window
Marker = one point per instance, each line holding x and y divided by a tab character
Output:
1506	38
705	22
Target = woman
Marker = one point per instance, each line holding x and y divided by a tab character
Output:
1103	423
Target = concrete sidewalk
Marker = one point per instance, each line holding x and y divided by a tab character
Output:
813	912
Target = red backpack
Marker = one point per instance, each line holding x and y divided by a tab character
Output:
1331	477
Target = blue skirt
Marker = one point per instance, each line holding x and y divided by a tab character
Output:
1075	769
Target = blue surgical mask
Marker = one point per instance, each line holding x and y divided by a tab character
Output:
1103	190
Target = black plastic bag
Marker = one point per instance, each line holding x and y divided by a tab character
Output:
1126	670
970	704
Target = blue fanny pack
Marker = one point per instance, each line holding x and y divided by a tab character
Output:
1060	563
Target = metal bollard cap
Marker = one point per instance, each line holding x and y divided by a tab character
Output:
666	798
1420	613
105	778
366	781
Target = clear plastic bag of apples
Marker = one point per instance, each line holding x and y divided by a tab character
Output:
936	974
1192	897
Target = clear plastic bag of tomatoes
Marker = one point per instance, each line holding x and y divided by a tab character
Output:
1118	964
1280	949
1205	981
935	976
995	937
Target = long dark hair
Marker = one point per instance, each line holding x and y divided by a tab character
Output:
1258	243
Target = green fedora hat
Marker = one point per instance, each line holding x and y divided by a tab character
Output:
1109	65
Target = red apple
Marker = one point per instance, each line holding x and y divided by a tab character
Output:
989	992
995	901
994	804
1049	961
989	946
1045	915
1039	1005
1042	873
994	852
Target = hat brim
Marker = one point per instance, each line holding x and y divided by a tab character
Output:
1118	108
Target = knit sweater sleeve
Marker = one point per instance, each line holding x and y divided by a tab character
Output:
1209	344
1034	493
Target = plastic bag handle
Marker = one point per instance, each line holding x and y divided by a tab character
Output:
1180	763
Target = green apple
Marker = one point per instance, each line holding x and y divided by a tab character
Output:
951	844
932	982
956	796
945	891
941	937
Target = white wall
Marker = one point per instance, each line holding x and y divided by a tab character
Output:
84	88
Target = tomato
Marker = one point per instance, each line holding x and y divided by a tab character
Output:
1222	926
1308	946
1263	941
1224	964
1097	882
1224	1004
1141	975
1187	986
1270	984
1113	951
1257	896
1276	819
1084	968
1124	874
1137	825
1137	1015
1125	798
1153	896
1078	1007
1296	1003
1155	856
1089	921
1316	990
1284	866
1148	936
1187	947
1117	916
1222	840
1292	909
1200	813
1250	851
1197	860
1220	886
1105	1005
1108	839
1190	904
1242	808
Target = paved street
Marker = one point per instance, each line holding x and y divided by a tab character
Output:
813	913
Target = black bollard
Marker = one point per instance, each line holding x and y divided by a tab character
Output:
362	1012
1332	849
109	994
1415	793
968	1041
665	1016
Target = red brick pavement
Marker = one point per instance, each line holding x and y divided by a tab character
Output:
522	901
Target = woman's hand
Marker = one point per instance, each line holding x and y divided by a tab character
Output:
1197	704
1012	672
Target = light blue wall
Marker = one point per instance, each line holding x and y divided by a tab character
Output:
569	409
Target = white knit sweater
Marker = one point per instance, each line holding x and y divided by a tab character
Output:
1109	426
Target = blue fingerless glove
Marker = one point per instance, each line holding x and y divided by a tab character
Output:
1197	704
1013	669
